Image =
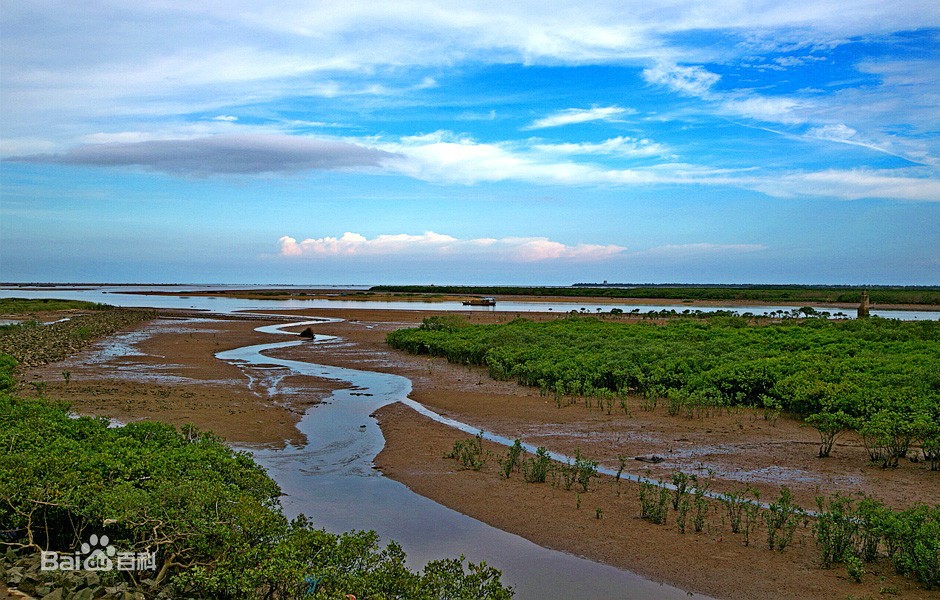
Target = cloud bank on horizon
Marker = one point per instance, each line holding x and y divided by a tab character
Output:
534	133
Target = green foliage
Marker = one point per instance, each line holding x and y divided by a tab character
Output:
830	425
751	516
13	306
513	460
854	567
7	369
842	372
211	514
654	502
735	503
889	433
32	344
443	323
580	470
701	507
535	469
835	529
682	483
782	518
855	533
469	452
930	443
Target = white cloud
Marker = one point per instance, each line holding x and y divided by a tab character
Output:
224	118
691	81
431	245
835	133
774	109
444	157
842	134
570	116
698	82
851	185
619	146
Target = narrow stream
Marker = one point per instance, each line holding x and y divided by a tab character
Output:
332	481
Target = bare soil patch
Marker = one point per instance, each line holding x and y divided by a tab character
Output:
738	449
166	371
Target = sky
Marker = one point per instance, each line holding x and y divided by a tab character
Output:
303	142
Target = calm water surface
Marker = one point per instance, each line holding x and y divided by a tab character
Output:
332	480
118	296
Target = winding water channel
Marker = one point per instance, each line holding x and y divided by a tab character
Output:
332	480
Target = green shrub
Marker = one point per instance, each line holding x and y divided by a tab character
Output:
782	518
513	460
469	452
835	529
654	502
535	469
211	514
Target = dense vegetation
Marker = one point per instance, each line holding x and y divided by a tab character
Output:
779	293
880	376
13	306
211	515
33	343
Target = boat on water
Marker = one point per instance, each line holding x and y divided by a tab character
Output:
484	301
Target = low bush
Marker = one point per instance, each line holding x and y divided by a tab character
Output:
210	515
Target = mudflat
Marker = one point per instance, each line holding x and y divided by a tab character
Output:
732	450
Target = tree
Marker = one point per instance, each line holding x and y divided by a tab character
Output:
830	425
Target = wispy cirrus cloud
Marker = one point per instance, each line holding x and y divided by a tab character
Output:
571	116
448	158
843	134
853	184
431	244
444	157
698	82
221	154
624	146
689	80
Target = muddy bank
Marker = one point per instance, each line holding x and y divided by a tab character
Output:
166	370
738	449
603	524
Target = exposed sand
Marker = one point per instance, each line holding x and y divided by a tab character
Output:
741	448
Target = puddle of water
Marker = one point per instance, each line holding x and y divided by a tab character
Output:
333	482
776	474
117	346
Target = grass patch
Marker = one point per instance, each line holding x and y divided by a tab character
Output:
15	306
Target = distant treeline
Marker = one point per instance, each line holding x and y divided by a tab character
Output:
768	293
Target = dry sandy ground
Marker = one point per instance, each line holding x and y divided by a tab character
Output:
738	449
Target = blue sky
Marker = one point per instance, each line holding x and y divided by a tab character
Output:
489	142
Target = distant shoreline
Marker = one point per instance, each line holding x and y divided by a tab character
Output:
382	296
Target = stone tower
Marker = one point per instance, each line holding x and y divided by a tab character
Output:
863	306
